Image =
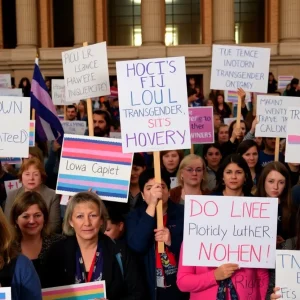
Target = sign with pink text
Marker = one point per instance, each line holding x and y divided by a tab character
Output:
11	185
153	104
220	230
201	125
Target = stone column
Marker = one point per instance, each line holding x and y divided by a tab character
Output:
223	22
153	22
27	33
45	23
1	27
206	21
289	20
84	22
101	20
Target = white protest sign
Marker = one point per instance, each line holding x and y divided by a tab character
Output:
5	80
153	104
288	273
236	67
292	147
228	121
115	135
11	92
58	91
12	185
272	115
5	293
14	139
86	72
219	230
74	127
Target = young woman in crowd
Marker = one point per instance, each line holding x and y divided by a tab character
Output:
222	108
30	218
32	175
115	226
191	177
234	179
82	111
143	235
222	135
212	155
16	270
87	255
249	151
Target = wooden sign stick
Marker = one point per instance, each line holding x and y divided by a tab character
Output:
239	112
65	112
192	151
159	207
33	114
277	144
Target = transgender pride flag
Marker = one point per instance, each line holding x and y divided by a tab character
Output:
47	126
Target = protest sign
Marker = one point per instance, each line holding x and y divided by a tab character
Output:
236	67
86	72
32	133
11	92
288	273
272	115
153	104
201	125
292	147
74	127
283	81
5	80
228	121
232	97
10	160
115	135
58	91
5	293
219	230
97	163
14	124
91	290
12	185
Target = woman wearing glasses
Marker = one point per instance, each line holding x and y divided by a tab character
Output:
191	176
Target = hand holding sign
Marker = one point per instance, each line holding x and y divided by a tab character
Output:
163	235
274	295
225	271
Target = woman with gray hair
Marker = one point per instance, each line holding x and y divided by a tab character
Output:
88	255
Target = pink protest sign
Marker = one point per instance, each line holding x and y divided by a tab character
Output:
201	125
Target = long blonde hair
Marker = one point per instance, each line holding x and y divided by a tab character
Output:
8	249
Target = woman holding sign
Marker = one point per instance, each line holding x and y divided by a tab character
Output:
227	281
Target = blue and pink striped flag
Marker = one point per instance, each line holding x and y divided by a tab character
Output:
47	126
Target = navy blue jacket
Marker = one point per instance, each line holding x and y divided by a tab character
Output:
140	237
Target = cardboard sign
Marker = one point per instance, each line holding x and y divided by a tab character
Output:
14	126
5	80
58	91
236	67
74	127
12	185
97	163
202	125
91	290
283	81
272	115
5	293
288	273
219	230
153	104
86	72
292	147
232	97
11	92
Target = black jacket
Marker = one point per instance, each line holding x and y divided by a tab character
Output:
60	268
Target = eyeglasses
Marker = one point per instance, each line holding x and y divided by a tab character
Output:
192	170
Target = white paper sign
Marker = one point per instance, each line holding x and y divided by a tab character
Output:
288	273
11	92
272	115
5	293
153	104
292	148
14	126
115	135
58	91
219	230
86	72
236	67
5	80
228	121
12	185
74	127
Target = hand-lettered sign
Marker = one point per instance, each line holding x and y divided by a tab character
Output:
58	91
5	80
201	125
11	185
236	67
86	72
94	163
219	230
153	104
74	127
11	92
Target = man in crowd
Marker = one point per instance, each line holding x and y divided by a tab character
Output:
71	113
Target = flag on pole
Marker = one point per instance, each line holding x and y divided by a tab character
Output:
48	126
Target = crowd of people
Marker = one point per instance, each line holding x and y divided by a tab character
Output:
45	244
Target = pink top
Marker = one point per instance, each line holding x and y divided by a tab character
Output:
200	282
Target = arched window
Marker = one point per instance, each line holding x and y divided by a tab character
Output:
182	22
124	22
249	21
9	24
63	23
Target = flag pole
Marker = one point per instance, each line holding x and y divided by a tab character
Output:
33	110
